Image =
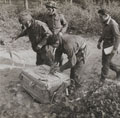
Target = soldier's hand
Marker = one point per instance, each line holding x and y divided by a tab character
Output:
54	68
99	45
38	48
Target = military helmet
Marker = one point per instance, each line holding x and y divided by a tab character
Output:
24	17
51	4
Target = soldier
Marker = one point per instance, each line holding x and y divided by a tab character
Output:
110	38
75	48
55	21
38	32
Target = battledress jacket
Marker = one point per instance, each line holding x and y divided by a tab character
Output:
70	46
38	33
56	22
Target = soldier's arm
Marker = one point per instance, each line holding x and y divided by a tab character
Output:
34	47
58	55
100	39
64	23
45	34
116	32
23	33
47	31
71	61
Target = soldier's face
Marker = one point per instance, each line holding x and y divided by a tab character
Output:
27	24
103	18
51	11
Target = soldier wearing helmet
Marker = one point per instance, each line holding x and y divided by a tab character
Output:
55	21
38	33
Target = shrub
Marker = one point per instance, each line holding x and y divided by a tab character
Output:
81	20
95	102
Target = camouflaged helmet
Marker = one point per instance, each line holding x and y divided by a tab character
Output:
23	18
51	4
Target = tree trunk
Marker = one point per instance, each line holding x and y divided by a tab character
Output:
103	1
5	1
26	4
66	1
10	2
71	1
41	2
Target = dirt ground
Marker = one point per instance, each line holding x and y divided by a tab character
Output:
14	101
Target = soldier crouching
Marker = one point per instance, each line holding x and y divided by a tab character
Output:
75	49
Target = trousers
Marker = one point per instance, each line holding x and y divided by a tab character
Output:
76	71
108	64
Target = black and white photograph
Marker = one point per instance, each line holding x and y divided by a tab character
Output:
59	58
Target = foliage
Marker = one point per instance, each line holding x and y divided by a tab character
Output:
87	20
83	20
96	102
82	16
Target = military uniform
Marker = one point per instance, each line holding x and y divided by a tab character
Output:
74	47
38	33
56	23
110	37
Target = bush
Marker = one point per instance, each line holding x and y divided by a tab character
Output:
81	20
96	102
